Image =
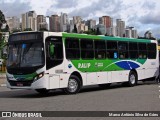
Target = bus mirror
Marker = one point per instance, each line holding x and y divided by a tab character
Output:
51	49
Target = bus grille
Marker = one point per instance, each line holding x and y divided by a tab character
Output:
21	83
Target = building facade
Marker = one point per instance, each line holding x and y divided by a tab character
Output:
120	28
54	23
13	23
29	20
41	22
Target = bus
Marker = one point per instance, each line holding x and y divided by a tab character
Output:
51	60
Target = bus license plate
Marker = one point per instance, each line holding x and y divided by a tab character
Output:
19	84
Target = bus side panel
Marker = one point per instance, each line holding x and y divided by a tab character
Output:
41	83
119	76
151	69
102	77
141	73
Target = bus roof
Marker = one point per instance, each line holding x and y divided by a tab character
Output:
74	35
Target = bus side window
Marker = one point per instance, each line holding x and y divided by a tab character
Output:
72	48
142	53
112	52
87	51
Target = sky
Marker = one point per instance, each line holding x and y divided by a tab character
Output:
143	15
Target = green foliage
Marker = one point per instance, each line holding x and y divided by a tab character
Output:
98	32
43	29
2	45
75	29
16	30
2	19
91	32
27	29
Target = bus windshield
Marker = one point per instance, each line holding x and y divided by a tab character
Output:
25	55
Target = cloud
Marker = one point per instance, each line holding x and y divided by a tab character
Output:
149	5
14	7
99	8
151	18
66	3
59	6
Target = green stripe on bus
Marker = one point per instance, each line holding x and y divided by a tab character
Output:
95	37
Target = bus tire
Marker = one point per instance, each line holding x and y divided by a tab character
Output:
42	91
74	85
103	86
132	79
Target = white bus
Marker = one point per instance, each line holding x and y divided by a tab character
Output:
50	60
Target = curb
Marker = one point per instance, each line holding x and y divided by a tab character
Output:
3	85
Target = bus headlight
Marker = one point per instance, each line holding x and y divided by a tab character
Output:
39	76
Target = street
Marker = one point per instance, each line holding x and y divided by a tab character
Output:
143	97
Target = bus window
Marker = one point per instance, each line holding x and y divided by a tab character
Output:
123	50
100	49
112	52
133	50
87	51
72	48
54	54
142	53
151	50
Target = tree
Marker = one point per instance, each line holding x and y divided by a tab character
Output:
6	29
75	29
43	29
98	32
2	40
27	29
16	30
2	19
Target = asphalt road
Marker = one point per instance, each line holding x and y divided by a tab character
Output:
143	97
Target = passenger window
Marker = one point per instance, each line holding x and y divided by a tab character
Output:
142	54
112	52
123	50
152	50
133	50
72	48
100	49
87	51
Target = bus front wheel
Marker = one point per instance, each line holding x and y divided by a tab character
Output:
74	85
132	79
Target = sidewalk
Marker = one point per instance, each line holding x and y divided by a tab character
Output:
2	79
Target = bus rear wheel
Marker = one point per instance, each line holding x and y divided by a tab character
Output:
132	79
74	85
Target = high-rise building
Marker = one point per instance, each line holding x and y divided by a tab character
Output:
130	32
13	23
29	20
54	23
107	21
120	27
64	22
134	34
77	19
91	23
102	29
111	31
41	22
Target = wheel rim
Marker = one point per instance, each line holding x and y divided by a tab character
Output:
72	85
132	79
